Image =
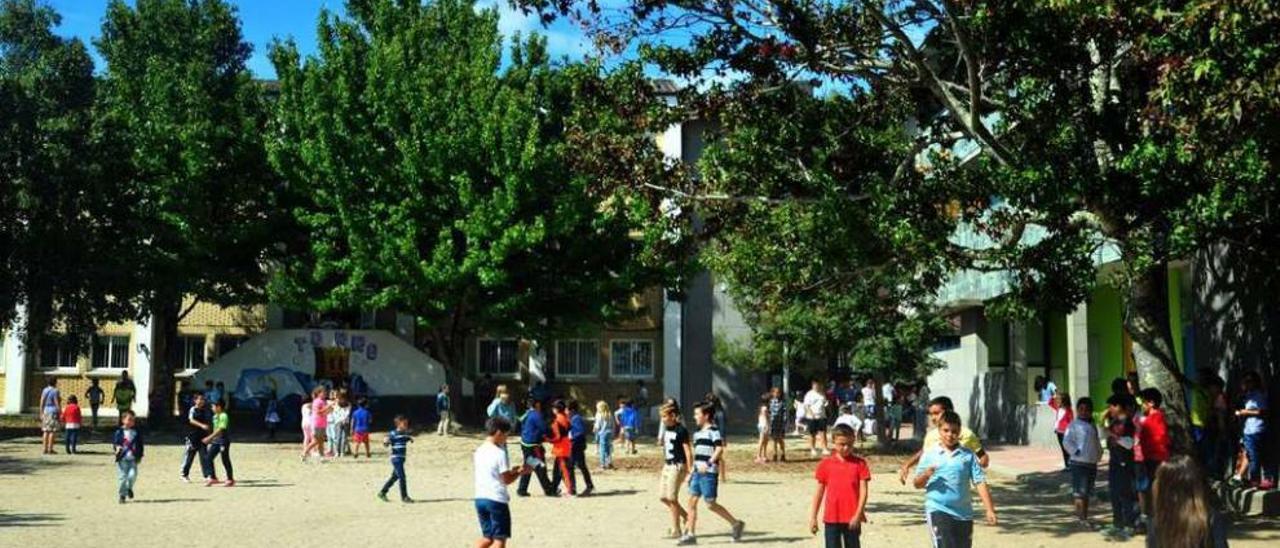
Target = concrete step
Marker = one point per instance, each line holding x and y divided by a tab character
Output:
1249	501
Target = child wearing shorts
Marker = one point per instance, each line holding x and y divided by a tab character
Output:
676	454
361	422
493	473
1084	451
708	450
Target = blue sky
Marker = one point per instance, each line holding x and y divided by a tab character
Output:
264	20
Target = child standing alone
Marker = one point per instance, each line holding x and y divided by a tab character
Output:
71	419
128	448
843	486
708	451
398	440
604	434
1081	444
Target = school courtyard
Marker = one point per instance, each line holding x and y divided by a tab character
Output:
65	500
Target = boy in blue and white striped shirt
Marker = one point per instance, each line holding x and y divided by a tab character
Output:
398	440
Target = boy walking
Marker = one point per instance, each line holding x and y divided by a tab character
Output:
95	396
1153	439
493	473
708	450
843	486
199	423
532	432
219	442
1084	451
578	433
398	440
676	456
128	448
945	473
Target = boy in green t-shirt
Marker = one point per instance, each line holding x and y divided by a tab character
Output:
219	442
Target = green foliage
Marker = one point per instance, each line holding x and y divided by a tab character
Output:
431	180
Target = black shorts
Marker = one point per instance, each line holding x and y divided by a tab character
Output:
949	532
816	425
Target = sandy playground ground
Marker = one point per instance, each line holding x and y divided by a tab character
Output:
66	500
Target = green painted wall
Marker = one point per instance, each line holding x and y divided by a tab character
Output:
1106	328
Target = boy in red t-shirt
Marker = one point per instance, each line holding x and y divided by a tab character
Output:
1153	438
562	449
842	488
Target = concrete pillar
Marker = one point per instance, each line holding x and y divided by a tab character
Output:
143	366
1019	386
672	314
15	366
1078	352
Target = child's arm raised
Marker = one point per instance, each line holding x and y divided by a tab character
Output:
813	511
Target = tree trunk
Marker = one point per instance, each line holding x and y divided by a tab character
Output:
1147	321
165	313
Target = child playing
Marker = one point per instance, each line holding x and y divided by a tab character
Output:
578	433
95	395
219	442
627	420
308	429
604	434
1253	411
778	424
128	448
1081	443
562	450
676	457
843	480
1060	402
1153	437
762	429
532	433
199	425
493	473
945	472
398	440
71	419
340	425
1121	434
708	450
848	418
361	421
272	417
443	406
319	422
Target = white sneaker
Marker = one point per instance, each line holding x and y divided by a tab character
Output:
813	452
687	540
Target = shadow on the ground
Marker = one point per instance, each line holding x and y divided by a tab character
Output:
29	520
614	493
756	537
23	466
261	484
166	501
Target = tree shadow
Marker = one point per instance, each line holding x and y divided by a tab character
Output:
29	520
166	501
21	466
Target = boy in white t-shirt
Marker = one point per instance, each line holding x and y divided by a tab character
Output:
493	472
815	416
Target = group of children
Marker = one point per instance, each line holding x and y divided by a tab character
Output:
71	416
332	426
208	437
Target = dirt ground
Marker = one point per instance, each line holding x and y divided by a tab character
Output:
61	500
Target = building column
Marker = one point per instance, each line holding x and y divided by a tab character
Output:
15	368
1020	387
672	316
143	367
1078	352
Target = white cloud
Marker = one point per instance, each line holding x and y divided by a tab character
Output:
562	37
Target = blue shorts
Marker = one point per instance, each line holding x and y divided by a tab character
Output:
495	519
704	484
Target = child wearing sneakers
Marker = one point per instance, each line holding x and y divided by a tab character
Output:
708	450
128	448
1084	451
493	473
843	486
676	457
398	440
219	442
361	421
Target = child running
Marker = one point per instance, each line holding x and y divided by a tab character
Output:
219	442
578	433
676	457
604	434
562	450
945	473
843	480
71	419
361	421
493	473
1081	443
708	450
398	440
128	448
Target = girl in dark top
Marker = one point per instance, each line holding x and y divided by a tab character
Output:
1184	513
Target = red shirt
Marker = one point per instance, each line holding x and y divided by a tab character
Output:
842	479
1154	436
561	443
1065	416
71	414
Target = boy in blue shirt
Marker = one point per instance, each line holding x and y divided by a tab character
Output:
628	422
533	430
945	473
578	433
398	440
361	422
443	410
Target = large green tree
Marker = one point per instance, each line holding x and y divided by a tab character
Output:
434	180
182	121
57	223
1072	136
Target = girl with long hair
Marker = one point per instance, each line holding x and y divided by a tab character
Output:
1184	513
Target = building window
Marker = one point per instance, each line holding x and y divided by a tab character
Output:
498	356
227	343
193	353
577	358
110	352
56	355
631	358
